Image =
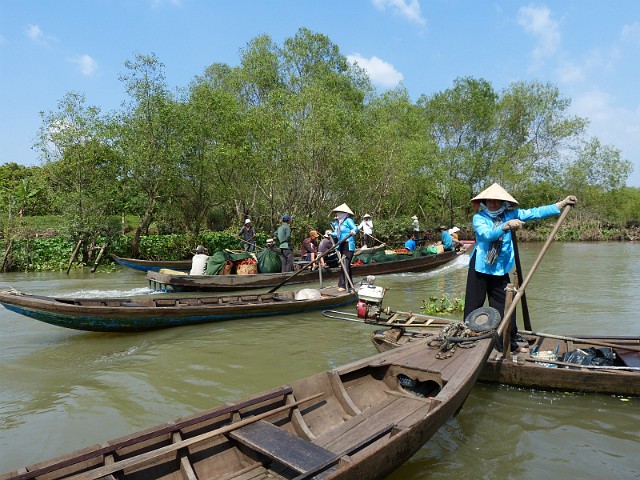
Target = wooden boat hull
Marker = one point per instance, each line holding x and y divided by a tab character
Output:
357	421
525	372
152	265
152	313
170	282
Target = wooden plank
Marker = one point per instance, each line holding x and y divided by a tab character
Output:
145	457
169	428
631	359
282	446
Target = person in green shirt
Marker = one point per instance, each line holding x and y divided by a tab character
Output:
283	237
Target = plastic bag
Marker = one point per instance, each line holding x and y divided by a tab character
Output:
590	356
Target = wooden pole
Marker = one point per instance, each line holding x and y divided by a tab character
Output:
536	263
95	265
74	255
344	267
526	320
308	264
587	341
6	256
506	335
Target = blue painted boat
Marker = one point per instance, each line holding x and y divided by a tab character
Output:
154	312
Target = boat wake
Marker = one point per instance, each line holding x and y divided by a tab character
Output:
109	293
461	261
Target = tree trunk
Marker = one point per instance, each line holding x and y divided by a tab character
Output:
143	227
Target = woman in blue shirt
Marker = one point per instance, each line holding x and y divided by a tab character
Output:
344	227
493	256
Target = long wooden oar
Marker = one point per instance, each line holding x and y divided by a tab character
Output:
344	267
525	308
525	282
304	267
588	341
144	457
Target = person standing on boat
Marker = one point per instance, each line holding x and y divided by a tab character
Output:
493	257
345	227
248	234
199	261
283	235
366	226
416	226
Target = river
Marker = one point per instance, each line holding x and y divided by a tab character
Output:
61	390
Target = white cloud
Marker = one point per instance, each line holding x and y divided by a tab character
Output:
88	66
631	33
35	33
538	22
613	125
380	72
409	9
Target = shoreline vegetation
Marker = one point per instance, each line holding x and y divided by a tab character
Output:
37	248
294	128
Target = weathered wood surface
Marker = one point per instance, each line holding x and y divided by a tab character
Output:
361	420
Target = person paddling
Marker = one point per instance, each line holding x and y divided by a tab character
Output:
344	227
492	257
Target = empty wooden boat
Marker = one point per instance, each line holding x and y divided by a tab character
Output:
152	265
358	421
154	312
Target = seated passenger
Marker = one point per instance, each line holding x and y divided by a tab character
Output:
410	244
199	262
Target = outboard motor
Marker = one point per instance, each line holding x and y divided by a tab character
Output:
370	297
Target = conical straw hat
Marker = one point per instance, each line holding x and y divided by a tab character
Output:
343	208
495	192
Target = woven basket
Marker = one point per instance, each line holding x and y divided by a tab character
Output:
226	268
247	269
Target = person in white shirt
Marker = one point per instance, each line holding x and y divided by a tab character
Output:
199	262
366	226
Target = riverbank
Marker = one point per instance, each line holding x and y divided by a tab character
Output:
47	251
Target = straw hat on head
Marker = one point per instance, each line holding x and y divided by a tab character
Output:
327	233
343	208
366	215
415	217
454	230
495	192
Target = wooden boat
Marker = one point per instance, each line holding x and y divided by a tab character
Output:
152	265
543	366
358	421
155	312
175	282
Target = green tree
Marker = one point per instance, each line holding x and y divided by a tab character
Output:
148	138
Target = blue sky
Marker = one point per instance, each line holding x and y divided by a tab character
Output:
590	49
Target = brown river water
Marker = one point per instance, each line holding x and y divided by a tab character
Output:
61	390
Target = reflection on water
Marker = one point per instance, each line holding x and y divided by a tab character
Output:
63	390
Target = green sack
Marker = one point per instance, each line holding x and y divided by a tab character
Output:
216	262
432	249
364	258
269	262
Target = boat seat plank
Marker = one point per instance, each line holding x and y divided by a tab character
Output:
392	410
278	444
630	359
